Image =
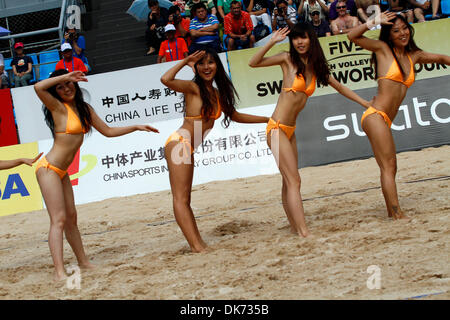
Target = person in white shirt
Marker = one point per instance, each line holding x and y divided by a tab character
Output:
283	16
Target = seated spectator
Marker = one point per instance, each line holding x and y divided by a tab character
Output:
173	48
306	7
224	7
204	29
3	74
344	22
22	66
351	9
423	7
181	24
283	16
69	62
78	44
157	20
190	3
401	7
365	8
238	27
258	12
320	26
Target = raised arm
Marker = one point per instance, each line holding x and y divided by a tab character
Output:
248	118
356	34
8	164
109	132
185	86
258	59
346	92
42	87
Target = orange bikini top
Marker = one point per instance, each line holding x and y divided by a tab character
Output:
73	125
217	116
299	85
395	74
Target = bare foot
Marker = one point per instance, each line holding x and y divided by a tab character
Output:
151	50
59	277
398	214
201	247
87	266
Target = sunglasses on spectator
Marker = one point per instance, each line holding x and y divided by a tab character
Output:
315	13
341	7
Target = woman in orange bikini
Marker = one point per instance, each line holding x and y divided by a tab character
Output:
303	66
204	104
69	118
394	55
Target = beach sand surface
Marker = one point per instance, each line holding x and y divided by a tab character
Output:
140	252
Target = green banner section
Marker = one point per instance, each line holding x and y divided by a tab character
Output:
349	63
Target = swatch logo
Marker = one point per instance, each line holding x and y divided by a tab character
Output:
74	169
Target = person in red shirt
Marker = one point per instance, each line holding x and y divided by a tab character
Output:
181	24
69	62
173	48
238	28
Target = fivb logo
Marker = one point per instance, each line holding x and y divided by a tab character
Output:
73	18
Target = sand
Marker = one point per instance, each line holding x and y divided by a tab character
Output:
140	252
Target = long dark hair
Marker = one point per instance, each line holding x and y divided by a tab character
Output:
315	53
227	92
82	107
385	36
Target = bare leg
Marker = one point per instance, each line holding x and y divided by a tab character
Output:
383	147
71	229
52	191
180	175
434	7
284	188
287	163
418	12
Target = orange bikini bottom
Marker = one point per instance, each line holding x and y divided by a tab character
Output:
186	143
272	124
44	164
371	110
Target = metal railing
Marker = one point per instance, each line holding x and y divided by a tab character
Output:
59	29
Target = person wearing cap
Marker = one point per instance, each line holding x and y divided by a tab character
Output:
306	7
78	43
320	26
22	66
69	62
173	48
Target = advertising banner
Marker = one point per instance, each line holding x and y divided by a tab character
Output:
8	135
19	190
329	128
135	163
349	64
120	98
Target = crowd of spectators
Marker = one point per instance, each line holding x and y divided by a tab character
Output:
72	51
234	24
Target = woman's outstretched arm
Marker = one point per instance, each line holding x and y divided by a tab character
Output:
427	57
110	132
248	118
258	59
8	164
348	93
